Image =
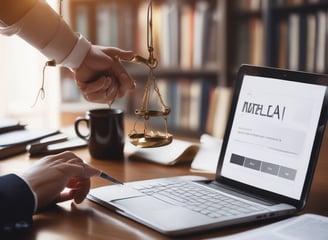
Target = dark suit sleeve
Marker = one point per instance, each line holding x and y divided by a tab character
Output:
16	204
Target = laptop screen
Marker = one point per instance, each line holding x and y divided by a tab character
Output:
272	134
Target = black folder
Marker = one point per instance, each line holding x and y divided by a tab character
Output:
15	141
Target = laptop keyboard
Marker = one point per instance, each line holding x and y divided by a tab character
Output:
196	198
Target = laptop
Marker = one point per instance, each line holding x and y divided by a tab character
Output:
265	168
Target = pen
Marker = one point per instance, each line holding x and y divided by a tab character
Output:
109	178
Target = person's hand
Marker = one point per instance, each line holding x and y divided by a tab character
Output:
50	175
101	77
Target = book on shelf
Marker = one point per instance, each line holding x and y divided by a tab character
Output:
173	97
311	41
242	48
195	104
282	44
294	41
303	43
256	41
170	34
173	33
206	89
157	31
213	48
187	32
185	111
212	108
201	23
250	45
321	44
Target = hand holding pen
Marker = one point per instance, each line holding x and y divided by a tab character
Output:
51	175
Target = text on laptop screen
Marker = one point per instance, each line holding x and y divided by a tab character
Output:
272	134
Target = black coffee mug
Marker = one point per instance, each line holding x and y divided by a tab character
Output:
106	133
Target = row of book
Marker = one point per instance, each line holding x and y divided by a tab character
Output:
297	2
250	41
185	33
256	5
305	39
300	41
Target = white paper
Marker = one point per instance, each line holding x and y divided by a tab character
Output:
207	156
303	227
177	151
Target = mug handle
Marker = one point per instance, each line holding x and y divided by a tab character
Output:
76	127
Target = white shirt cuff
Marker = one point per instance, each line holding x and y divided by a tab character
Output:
78	53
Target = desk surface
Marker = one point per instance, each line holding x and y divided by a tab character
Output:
91	221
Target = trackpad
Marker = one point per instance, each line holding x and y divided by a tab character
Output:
160	214
115	192
141	204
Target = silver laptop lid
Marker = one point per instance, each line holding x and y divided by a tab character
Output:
274	132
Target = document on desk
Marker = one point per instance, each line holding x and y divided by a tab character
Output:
303	227
178	151
206	159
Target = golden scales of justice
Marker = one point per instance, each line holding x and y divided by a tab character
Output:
150	138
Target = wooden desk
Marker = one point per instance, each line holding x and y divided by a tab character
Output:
91	221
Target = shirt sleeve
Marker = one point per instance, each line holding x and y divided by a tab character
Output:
16	204
46	31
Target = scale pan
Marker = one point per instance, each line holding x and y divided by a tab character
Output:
147	141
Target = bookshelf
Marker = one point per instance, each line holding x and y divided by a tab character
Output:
185	43
200	45
289	34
